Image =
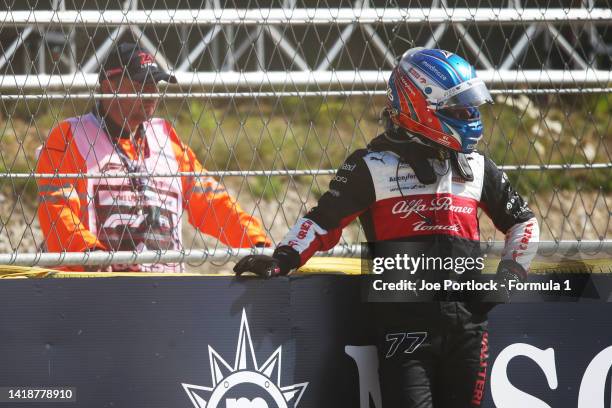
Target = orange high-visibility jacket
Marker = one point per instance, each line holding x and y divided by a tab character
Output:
66	203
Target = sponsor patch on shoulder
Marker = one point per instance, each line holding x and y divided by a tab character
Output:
377	158
348	167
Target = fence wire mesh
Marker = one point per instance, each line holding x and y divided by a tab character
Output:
272	96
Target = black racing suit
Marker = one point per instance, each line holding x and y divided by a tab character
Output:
431	354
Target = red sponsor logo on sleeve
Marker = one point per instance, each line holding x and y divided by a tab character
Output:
524	242
304	228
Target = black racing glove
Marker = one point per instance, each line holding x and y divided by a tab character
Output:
280	263
264	266
507	270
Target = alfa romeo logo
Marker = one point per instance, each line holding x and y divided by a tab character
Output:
245	384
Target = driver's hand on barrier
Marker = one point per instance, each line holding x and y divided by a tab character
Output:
264	266
507	270
511	270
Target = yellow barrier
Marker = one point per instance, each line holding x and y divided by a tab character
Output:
348	266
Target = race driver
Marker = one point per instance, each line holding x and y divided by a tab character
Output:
138	213
421	182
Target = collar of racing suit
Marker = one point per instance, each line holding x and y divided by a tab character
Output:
418	155
405	146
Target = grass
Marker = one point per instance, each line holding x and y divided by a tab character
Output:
553	130
310	133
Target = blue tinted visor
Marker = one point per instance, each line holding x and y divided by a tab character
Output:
469	94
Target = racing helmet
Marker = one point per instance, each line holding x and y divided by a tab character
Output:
435	94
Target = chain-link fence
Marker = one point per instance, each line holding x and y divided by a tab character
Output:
272	96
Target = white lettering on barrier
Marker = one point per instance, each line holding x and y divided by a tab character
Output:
506	395
366	359
246	403
593	384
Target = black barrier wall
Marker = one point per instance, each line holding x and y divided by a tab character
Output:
301	341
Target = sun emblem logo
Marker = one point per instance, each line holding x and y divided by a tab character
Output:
246	384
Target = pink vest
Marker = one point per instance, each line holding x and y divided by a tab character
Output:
122	218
